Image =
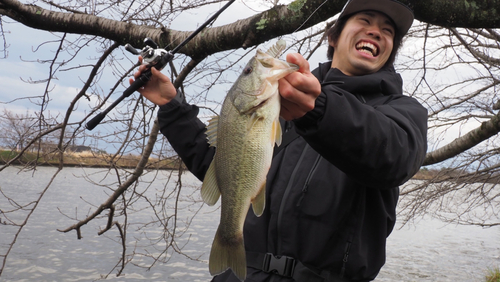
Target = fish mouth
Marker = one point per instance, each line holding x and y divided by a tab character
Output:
368	48
280	70
272	69
277	68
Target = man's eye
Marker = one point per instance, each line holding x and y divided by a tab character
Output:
389	31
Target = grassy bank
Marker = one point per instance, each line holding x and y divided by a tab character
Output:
493	275
85	159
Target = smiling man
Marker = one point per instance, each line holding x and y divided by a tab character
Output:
365	44
333	184
350	139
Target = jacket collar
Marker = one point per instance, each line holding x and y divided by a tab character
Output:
386	81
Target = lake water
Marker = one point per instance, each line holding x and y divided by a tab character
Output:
427	251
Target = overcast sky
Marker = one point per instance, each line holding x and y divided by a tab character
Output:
28	47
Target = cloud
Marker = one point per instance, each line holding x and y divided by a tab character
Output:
19	96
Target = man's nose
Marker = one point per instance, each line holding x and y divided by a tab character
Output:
374	31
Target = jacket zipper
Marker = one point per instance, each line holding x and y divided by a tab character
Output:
308	179
345	259
285	197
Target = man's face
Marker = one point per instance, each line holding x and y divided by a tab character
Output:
365	44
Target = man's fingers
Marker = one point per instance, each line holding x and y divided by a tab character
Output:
306	83
298	90
290	110
296	95
302	79
296	58
294	103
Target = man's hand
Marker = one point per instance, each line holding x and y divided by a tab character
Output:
159	89
298	90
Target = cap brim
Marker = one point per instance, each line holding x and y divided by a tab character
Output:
400	14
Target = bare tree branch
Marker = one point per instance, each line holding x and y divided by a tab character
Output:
123	187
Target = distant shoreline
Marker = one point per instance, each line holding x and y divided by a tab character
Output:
104	160
86	159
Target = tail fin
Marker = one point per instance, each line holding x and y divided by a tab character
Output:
228	253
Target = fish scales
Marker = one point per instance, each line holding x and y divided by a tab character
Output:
244	135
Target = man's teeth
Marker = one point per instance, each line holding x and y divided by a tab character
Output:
365	51
367	48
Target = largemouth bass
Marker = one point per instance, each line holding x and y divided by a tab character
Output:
244	134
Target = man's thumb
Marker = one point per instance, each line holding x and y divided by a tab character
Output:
299	60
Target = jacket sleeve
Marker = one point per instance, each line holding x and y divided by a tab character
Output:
381	143
186	133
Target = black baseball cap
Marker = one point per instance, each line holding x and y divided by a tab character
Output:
398	12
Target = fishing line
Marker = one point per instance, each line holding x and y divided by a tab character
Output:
303	23
319	7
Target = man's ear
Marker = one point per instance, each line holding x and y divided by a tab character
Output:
331	42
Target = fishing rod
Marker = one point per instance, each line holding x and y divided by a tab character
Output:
152	57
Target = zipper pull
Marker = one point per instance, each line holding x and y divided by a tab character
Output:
346	257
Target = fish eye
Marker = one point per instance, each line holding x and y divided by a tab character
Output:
248	70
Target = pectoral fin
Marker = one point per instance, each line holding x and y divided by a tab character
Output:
276	132
259	202
210	192
254	118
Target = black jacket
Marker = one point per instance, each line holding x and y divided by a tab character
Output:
332	190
